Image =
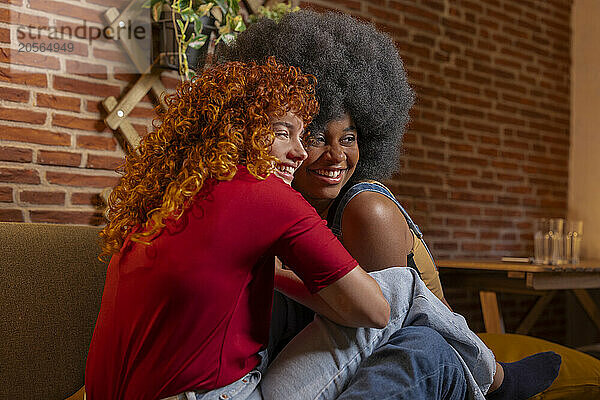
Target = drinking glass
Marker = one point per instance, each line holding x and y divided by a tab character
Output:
557	243
573	241
538	240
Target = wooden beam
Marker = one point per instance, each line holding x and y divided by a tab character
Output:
535	312
118	21
565	280
492	317
589	305
129	133
132	97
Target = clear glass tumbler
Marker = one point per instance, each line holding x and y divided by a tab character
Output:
573	241
541	229
555	231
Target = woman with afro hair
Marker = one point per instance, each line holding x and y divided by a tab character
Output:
201	210
355	141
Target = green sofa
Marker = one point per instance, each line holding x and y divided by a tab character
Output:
51	288
51	285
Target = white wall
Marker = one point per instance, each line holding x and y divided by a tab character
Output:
584	168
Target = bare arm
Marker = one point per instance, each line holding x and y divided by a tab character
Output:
353	300
376	233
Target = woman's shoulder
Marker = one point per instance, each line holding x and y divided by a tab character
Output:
371	206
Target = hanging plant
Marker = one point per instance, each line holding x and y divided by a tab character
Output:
196	22
274	12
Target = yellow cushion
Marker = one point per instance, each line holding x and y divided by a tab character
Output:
579	376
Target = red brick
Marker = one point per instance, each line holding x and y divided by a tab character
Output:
85	87
392	30
111	55
6	194
14	17
467	161
11	215
67	9
456	25
67	217
98	71
142	112
421	25
58	102
72	122
85	198
4	35
40	197
445	245
475	197
107	3
15	154
68	179
62	158
383	13
457	209
38	136
421	178
104	162
476	247
142	130
14	175
485	185
13	94
30	59
96	142
464	235
26	78
13	2
495	223
20	115
407	9
349	4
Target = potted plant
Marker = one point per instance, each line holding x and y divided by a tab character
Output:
186	28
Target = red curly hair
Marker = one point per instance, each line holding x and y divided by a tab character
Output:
219	119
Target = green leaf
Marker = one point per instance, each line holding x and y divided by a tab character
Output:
152	3
239	26
228	38
198	27
181	26
234	6
223	6
156	10
198	42
204	9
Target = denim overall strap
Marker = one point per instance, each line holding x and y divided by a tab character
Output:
368	186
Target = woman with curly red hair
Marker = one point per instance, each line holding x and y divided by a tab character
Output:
195	223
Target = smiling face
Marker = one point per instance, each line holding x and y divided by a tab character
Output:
287	146
332	158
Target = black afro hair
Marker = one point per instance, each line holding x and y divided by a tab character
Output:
358	71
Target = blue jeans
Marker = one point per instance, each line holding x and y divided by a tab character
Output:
321	361
416	363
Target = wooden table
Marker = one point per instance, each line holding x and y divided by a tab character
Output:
491	277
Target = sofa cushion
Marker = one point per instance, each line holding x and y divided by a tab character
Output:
51	289
579	376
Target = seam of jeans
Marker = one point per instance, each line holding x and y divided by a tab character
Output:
360	352
424	378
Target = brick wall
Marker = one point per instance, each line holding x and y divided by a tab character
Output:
486	152
56	154
487	149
